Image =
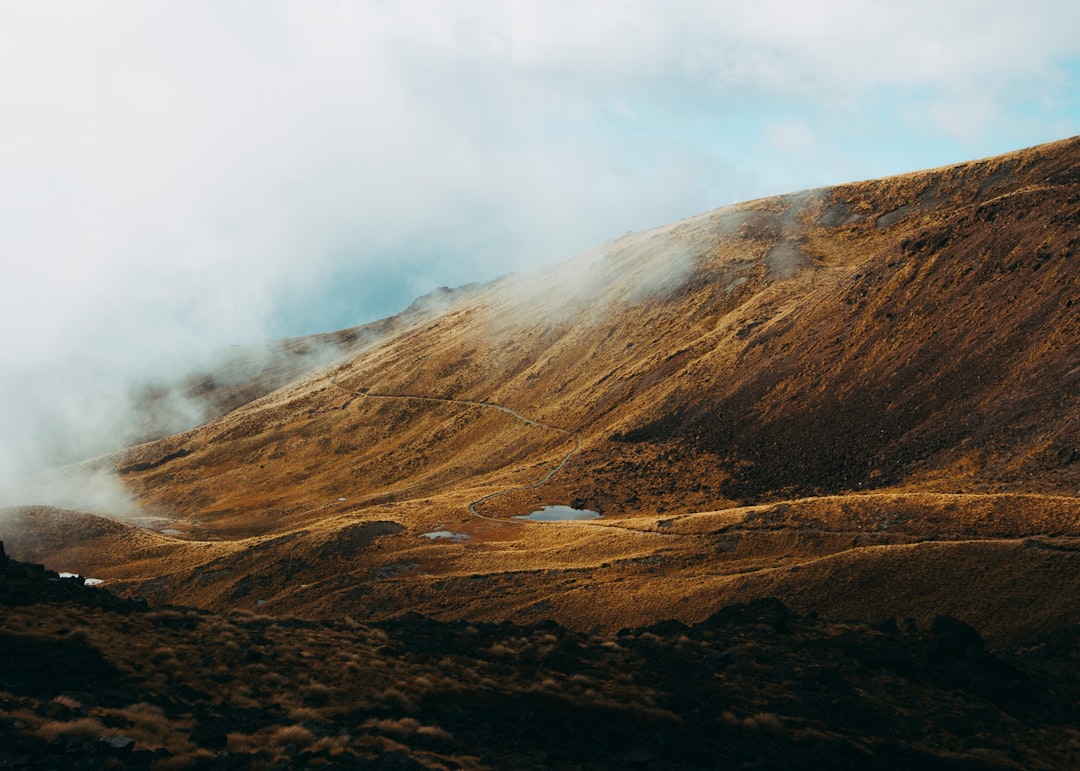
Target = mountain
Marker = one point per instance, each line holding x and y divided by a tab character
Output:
243	373
862	400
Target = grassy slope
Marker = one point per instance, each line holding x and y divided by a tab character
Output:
913	336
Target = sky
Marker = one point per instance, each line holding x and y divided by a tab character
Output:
176	177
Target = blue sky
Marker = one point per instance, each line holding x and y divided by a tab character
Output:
177	176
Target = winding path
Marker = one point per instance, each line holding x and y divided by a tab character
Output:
472	506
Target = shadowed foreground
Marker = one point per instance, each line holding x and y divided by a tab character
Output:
90	681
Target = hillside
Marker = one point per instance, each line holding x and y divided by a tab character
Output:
88	681
862	400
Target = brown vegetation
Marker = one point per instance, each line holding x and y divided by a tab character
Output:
753	685
864	401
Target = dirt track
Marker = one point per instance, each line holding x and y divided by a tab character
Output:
472	506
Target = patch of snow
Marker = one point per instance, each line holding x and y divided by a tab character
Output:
86	581
445	535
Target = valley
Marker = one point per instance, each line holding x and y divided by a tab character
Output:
860	403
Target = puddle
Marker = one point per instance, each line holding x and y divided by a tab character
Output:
559	514
446	535
171	531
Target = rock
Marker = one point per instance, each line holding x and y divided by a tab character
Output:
115	746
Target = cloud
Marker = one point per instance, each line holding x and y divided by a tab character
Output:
178	176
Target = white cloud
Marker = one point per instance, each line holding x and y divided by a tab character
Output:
790	136
173	173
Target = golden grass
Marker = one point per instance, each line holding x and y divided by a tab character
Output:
932	343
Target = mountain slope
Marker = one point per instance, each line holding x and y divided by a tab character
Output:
914	336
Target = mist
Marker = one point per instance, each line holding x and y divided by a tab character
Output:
179	178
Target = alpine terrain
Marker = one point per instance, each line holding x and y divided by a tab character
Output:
790	484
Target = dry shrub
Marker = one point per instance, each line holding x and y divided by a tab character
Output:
434	732
405	725
274	680
296	735
67	701
82	728
149	722
306	715
239	743
764	721
243	701
163	653
335	745
547	684
386	744
394	697
408	725
316	693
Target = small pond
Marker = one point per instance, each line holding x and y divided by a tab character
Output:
559	514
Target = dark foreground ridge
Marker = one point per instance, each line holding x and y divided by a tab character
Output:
89	681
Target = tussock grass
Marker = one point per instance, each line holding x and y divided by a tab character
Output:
406	726
86	728
296	735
